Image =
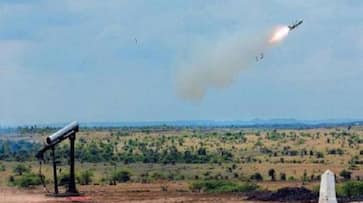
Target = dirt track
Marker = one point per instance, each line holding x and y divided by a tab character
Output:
143	193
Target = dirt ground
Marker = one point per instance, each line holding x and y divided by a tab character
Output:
143	193
12	195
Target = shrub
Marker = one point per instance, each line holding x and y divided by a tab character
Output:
27	179
121	175
316	189
179	177
11	179
350	189
345	174
256	176
291	178
2	167
319	155
158	176
63	179
19	169
221	186
85	177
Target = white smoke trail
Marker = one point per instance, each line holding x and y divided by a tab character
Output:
218	65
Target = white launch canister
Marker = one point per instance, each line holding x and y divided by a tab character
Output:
58	135
327	188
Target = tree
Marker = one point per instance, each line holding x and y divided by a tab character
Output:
20	169
283	176
271	173
345	174
305	176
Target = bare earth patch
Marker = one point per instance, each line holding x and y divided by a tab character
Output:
12	195
133	192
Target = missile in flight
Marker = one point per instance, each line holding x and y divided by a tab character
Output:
295	25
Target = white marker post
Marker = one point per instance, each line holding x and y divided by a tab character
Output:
327	188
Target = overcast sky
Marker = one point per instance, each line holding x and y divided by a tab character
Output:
116	60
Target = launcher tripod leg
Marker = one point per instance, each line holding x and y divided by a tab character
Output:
72	182
55	172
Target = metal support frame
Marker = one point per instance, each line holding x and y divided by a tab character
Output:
71	190
67	132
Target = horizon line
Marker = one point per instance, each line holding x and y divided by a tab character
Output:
255	121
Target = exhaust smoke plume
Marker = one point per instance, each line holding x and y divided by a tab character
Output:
279	34
218	64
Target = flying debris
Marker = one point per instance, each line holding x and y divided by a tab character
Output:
258	58
293	26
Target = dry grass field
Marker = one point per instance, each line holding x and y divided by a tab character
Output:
302	155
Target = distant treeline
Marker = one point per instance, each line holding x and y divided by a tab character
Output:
194	124
100	151
139	151
18	150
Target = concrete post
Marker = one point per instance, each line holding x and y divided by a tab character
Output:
327	188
